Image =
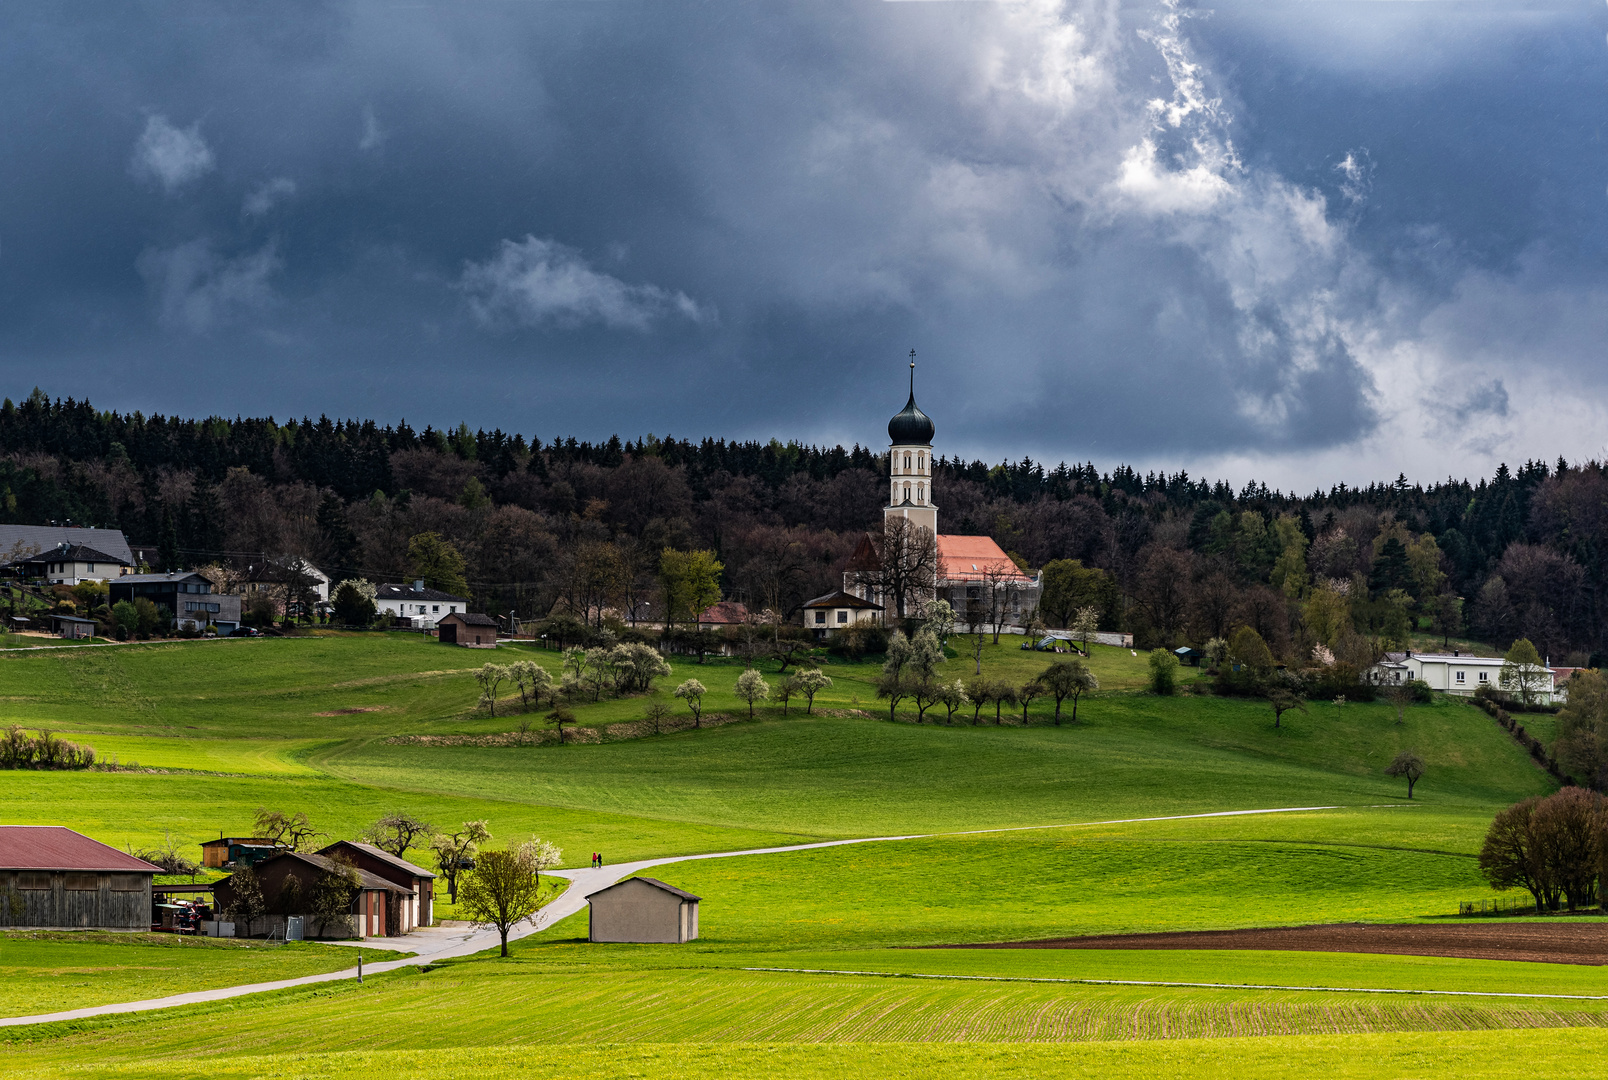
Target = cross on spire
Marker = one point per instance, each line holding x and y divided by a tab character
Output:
912	373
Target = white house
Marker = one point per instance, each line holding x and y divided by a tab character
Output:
838	611
421	606
69	564
1453	673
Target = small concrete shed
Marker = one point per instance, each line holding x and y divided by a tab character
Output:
643	910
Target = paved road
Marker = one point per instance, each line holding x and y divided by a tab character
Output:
441	943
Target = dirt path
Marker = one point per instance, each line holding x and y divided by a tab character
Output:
1550	943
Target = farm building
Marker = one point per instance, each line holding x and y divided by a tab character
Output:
402	913
232	849
468	629
51	876
643	910
366	915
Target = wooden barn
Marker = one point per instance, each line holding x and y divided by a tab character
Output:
403	912
51	876
469	629
643	910
366	917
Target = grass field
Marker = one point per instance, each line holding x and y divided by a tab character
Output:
51	971
1488	1055
220	729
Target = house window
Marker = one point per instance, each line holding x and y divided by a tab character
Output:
919	459
435	607
907	493
919	496
91	568
1485	676
820	618
907	463
1460	675
843	617
451	608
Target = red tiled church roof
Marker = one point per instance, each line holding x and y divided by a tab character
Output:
969	558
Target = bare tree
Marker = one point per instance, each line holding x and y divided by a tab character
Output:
905	566
398	831
455	852
1409	766
293	831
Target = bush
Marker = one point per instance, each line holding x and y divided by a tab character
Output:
854	642
1163	672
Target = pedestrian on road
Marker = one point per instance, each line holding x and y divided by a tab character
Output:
600	860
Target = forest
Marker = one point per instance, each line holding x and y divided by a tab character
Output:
569	523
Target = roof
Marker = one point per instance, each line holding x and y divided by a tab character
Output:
910	426
65	552
655	882
17	540
56	847
277	571
161	579
727	611
394	591
365	879
73	618
225	841
384	856
1186	650
843	599
472	618
969	558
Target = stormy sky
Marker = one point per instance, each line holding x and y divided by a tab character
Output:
1305	241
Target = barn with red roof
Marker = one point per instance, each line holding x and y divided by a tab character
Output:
51	876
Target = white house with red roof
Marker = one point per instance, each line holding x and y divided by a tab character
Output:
973	573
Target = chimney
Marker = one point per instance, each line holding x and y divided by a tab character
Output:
418	584
1456	653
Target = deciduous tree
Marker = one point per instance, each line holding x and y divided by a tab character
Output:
437	562
505	888
751	687
812	681
1068	679
1409	766
1163	672
398	831
1523	673
692	692
455	852
292	830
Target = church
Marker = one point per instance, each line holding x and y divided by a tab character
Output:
912	561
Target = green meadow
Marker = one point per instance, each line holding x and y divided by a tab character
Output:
1025	832
46	971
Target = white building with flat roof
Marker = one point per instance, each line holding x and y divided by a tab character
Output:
1454	673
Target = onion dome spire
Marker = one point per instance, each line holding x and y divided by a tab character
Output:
911	427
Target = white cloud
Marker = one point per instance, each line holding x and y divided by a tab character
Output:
534	282
197	289
373	136
171	156
265	196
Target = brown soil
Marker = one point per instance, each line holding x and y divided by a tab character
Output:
349	712
1552	943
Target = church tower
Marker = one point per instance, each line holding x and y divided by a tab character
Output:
910	463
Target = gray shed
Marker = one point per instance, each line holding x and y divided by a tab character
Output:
643	910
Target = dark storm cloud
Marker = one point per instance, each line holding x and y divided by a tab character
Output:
1109	232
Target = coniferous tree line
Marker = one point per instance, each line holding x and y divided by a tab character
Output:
576	524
